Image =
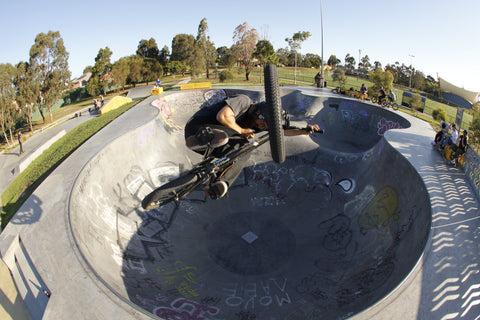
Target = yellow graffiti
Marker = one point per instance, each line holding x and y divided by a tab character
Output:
380	210
180	277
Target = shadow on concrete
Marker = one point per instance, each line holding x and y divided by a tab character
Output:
326	234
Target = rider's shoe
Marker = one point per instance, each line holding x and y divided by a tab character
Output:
207	136
216	190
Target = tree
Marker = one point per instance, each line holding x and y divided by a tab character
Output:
364	65
93	87
7	98
312	61
49	61
282	54
265	53
176	67
164	54
120	71
349	62
380	79
26	91
339	76
148	49
136	67
183	47
416	102
101	69
205	47
333	61
418	81
225	57
152	69
245	40
376	65
295	43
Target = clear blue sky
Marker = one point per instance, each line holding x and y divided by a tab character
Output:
443	36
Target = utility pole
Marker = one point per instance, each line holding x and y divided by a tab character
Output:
359	57
321	23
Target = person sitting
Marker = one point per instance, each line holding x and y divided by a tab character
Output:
462	147
441	134
363	91
158	83
226	126
451	139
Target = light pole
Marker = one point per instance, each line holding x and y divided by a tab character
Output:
321	23
411	74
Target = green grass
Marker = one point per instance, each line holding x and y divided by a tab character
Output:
29	179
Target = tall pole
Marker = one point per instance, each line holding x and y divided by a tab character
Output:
321	22
411	74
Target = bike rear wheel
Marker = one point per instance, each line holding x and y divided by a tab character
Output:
170	191
274	113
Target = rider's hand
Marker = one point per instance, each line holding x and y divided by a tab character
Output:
311	128
248	133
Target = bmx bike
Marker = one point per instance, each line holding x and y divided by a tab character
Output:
210	168
385	102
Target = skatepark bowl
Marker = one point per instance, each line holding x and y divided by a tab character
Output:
327	234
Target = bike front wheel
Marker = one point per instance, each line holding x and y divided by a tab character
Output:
170	191
274	114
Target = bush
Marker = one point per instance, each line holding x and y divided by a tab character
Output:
439	114
195	73
226	75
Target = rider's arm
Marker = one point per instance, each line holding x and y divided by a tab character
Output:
309	129
226	116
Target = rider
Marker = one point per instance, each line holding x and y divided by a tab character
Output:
391	96
228	125
382	95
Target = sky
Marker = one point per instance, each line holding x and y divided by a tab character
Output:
437	37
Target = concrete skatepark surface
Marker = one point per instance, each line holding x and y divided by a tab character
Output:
337	231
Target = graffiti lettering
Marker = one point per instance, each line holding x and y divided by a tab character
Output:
183	309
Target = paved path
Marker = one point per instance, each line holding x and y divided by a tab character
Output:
9	162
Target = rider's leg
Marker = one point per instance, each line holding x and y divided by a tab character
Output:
219	188
205	136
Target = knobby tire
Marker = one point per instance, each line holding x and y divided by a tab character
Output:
170	191
274	114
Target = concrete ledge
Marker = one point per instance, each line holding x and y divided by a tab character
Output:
115	103
12	305
198	85
25	163
157	91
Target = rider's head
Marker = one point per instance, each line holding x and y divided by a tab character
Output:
257	114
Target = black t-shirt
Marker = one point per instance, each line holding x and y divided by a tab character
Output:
208	115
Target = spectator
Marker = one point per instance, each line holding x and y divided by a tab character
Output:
20	142
363	91
441	134
462	147
453	138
